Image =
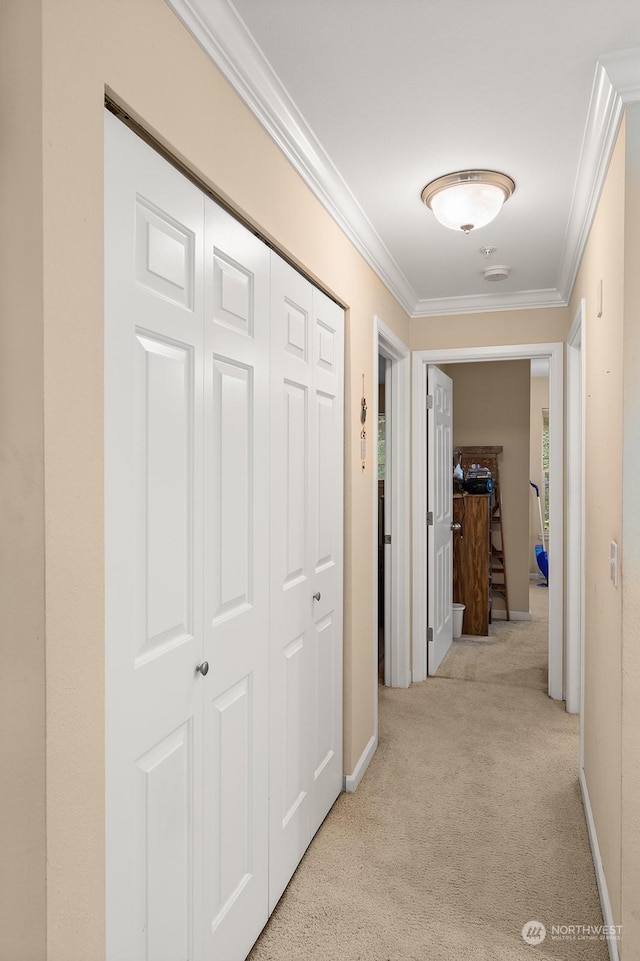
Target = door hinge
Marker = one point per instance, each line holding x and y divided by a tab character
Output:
429	634
429	518
387	538
429	401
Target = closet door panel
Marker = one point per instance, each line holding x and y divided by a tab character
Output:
236	586
291	568
154	225
307	333
326	514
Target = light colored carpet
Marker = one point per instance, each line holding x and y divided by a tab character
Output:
467	825
516	652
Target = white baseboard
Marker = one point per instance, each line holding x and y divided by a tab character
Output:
351	781
501	615
607	914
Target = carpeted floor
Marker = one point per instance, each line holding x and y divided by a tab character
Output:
467	824
516	652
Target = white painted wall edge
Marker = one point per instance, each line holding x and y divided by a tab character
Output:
501	615
603	891
351	781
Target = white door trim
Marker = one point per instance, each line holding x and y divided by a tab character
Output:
471	355
575	512
397	647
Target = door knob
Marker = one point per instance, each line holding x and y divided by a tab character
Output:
317	596
456	527
203	668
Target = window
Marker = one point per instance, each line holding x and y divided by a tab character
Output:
382	447
545	467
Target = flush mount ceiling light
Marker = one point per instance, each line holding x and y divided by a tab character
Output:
469	198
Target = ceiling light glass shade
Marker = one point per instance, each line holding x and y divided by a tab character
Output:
468	199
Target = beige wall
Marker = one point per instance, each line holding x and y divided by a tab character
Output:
22	665
140	51
491	329
603	338
491	406
51	330
630	828
539	401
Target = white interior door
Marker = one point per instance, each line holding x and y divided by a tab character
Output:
440	508
153	562
306	567
236	586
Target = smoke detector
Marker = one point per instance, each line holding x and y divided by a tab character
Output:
496	272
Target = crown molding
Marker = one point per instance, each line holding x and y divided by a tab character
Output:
218	29
616	83
601	130
485	303
222	34
623	70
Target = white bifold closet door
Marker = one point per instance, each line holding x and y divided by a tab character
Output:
187	566
201	386
154	312
236	587
306	566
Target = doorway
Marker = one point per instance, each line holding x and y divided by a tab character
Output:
391	411
421	359
503	597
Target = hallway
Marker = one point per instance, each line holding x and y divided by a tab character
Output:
467	825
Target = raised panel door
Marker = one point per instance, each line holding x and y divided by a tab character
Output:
153	560
236	587
440	505
292	566
326	509
307	331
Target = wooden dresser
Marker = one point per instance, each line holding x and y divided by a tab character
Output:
472	560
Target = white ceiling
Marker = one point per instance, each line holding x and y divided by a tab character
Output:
371	99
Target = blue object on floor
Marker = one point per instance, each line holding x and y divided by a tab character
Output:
543	563
542	557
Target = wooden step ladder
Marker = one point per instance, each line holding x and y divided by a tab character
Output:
488	457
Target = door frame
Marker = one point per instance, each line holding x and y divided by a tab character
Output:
575	513
397	646
554	352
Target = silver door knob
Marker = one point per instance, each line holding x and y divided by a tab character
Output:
456	527
317	596
203	668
